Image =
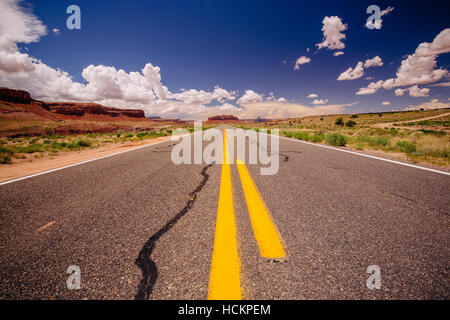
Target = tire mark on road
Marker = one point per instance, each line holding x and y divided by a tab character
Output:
144	260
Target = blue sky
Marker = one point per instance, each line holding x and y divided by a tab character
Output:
239	46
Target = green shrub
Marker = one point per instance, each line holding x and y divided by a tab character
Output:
6	150
406	146
350	123
84	143
339	122
317	138
301	135
289	134
433	132
130	135
143	134
335	139
5	160
354	116
31	148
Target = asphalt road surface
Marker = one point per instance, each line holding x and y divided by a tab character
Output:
140	227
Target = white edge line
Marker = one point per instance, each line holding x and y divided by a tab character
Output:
79	163
366	155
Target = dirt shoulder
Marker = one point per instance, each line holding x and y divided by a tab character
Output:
25	168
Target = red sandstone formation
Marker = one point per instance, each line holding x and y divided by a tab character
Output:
11	95
223	118
80	109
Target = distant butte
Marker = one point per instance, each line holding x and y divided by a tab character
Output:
224	118
23	101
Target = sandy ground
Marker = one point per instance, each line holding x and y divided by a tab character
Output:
391	124
25	168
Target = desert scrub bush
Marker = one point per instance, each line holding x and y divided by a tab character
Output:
288	134
433	132
406	146
335	139
143	134
354	116
130	135
339	122
317	138
84	143
6	150
350	123
302	135
31	148
4	159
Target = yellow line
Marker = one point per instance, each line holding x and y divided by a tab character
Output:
224	281
266	233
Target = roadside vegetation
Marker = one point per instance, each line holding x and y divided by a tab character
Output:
417	143
52	144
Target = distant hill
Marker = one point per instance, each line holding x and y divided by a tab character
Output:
21	101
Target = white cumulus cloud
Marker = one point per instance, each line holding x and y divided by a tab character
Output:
374	62
319	101
301	60
432	104
333	35
371	88
351	74
418	68
249	97
358	71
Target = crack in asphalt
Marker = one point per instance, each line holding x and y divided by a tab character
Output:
286	157
144	260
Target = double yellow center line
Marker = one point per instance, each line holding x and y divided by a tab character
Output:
224	282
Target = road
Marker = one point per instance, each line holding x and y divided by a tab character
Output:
140	227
